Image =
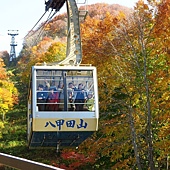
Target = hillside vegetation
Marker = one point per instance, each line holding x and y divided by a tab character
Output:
131	52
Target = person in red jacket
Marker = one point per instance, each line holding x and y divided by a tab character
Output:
52	100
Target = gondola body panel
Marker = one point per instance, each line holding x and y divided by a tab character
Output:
67	125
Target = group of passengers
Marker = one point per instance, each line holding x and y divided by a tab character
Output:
51	98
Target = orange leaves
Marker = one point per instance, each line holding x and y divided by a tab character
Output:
3	74
162	22
98	51
141	5
130	55
47	51
94	36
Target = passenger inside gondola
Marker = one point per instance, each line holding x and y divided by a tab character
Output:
81	95
52	100
47	85
53	86
41	98
89	105
70	91
60	89
71	96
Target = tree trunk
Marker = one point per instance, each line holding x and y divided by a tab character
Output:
149	119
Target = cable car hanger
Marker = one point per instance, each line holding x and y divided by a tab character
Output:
74	49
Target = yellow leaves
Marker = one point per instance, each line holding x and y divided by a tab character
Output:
6	101
136	99
1	63
1	125
121	157
166	95
8	93
56	52
163	143
165	130
34	48
121	15
123	164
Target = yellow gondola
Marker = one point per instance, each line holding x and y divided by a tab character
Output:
65	124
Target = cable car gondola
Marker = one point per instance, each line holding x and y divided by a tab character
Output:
63	99
71	121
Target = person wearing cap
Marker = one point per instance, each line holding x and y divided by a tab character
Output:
41	97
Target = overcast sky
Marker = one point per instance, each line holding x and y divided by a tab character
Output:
22	15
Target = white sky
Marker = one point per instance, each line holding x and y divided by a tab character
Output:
22	15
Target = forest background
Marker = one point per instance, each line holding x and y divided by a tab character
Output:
130	49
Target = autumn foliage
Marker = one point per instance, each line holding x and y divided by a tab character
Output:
8	92
132	56
46	51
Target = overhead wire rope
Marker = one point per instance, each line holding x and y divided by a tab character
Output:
48	19
41	18
43	25
36	24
